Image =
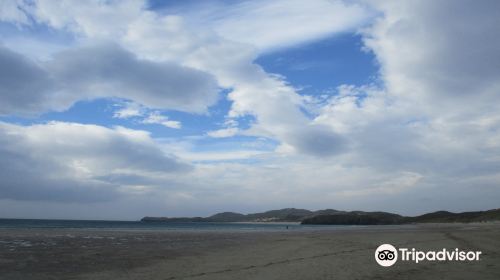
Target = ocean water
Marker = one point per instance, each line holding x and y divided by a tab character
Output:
138	225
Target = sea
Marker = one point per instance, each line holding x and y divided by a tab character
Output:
167	226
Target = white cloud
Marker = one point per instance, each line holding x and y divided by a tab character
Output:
128	110
133	110
270	25
157	118
214	156
95	18
438	56
224	132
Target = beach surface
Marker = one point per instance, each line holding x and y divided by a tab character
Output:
335	253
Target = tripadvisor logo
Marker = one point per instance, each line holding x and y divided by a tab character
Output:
387	255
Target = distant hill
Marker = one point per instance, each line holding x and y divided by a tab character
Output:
227	217
166	219
449	217
336	217
355	218
384	218
282	215
328	212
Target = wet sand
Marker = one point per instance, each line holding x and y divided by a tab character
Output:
323	254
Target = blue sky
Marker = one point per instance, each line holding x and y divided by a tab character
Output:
323	65
120	109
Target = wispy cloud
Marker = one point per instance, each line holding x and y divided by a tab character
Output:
157	118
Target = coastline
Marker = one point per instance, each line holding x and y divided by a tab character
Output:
344	253
266	223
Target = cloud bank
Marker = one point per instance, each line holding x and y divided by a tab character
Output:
105	70
75	162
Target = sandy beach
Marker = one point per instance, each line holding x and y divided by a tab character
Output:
346	253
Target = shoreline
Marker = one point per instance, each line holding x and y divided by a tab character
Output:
287	254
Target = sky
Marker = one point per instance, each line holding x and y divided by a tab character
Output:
124	109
